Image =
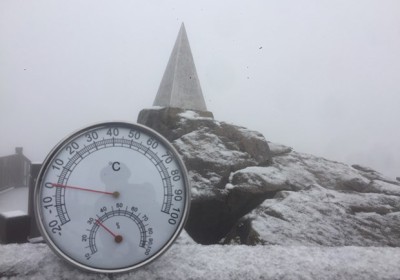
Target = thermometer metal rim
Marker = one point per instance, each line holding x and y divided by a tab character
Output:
49	160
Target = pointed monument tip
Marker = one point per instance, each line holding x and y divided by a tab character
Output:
180	85
182	29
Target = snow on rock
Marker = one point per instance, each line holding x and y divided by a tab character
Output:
295	171
373	174
211	151
278	149
321	202
248	191
206	153
173	123
319	216
37	261
377	186
304	169
189	114
271	178
210	148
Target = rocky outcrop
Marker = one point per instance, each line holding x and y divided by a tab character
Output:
212	151
320	216
326	203
249	191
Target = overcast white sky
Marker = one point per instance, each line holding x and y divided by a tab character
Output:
320	76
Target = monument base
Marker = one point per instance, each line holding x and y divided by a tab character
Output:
166	119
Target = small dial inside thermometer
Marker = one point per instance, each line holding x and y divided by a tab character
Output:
112	197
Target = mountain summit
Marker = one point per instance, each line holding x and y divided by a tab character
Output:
249	191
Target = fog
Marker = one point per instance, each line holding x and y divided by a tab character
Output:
320	76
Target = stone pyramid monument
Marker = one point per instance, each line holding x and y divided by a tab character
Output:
180	85
179	90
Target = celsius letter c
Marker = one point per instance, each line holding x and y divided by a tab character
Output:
115	166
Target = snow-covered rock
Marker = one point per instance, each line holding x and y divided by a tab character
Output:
325	203
319	216
212	150
278	149
245	190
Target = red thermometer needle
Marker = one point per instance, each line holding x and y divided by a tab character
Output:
115	194
117	237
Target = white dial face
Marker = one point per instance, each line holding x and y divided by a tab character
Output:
112	197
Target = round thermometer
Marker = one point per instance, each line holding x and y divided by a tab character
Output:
112	197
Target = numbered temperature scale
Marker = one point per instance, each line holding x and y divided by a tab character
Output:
112	197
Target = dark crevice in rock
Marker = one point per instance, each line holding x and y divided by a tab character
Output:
8	275
381	210
212	218
243	233
223	181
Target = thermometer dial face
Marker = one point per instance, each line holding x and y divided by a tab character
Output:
112	197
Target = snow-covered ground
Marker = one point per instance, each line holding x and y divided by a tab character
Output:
192	261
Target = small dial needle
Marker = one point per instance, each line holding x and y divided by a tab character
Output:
114	194
117	238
